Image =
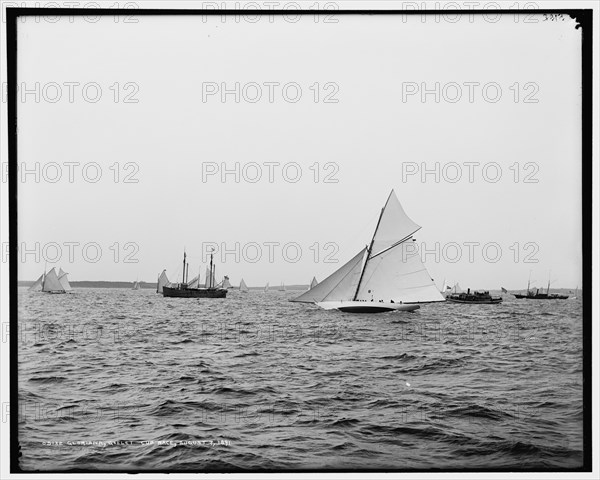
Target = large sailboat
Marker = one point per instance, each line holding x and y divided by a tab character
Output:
387	275
52	282
183	289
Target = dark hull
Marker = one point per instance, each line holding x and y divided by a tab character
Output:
493	301
365	309
194	292
541	296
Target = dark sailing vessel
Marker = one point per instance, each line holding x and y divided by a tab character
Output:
531	295
478	298
184	290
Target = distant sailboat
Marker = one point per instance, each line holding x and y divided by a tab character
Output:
226	283
385	276
64	280
267	287
38	284
52	282
314	283
243	286
163	281
281	287
136	285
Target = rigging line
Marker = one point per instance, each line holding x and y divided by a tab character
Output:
396	244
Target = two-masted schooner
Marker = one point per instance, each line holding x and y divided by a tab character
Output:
387	275
52	282
193	289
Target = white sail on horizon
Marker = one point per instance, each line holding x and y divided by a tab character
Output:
243	286
163	281
64	281
391	272
38	284
313	283
51	282
267	287
226	283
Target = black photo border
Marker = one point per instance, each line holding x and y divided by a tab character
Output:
584	18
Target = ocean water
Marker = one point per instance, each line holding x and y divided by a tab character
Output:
114	379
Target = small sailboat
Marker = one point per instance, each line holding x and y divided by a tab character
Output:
267	287
52	282
576	295
183	290
314	283
163	281
243	286
63	279
281	287
136	285
225	283
387	275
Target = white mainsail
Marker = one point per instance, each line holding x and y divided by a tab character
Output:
37	286
64	280
51	282
163	281
226	283
243	286
391	272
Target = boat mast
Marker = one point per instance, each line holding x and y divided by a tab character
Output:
369	250
183	276
210	279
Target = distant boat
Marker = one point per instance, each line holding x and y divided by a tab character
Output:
163	281
387	275
281	287
531	295
445	288
136	285
225	283
52	282
576	295
243	286
478	298
267	287
183	290
314	283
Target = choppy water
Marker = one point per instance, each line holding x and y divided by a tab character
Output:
256	382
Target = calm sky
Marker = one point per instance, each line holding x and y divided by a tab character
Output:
279	140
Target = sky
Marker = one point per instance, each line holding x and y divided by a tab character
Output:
278	142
